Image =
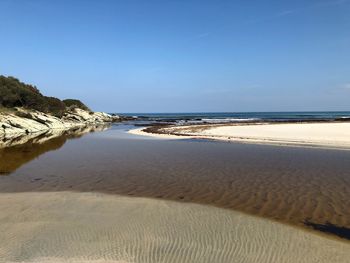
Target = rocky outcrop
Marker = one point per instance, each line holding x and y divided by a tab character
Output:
86	117
25	122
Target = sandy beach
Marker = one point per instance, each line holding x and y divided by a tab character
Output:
89	227
139	199
175	131
309	134
294	185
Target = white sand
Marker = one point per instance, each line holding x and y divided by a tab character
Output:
318	134
141	132
88	227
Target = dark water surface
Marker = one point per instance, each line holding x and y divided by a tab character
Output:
301	186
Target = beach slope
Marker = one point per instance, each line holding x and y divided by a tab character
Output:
87	227
330	134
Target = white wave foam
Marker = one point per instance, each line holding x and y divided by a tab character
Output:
230	120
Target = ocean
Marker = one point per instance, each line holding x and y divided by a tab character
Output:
232	117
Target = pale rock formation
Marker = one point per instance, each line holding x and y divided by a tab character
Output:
26	122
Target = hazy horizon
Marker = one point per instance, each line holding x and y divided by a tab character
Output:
182	56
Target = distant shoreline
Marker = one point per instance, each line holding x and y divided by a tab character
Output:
241	117
333	134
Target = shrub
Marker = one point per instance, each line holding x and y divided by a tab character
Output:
55	106
14	93
72	103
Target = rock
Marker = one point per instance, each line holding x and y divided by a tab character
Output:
30	121
89	117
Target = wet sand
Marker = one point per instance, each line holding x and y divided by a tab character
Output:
90	227
299	186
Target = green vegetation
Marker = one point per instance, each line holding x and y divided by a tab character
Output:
72	103
6	110
14	93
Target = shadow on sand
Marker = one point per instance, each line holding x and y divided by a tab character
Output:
329	228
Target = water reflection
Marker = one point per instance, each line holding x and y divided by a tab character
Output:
19	150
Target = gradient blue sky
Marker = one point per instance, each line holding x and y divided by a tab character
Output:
182	56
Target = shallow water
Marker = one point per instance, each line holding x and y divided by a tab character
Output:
301	186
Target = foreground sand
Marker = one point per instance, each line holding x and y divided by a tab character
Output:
318	134
87	227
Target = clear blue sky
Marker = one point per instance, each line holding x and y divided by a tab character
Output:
182	55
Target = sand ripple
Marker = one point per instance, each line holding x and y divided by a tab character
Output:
293	185
80	227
